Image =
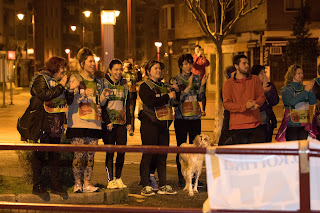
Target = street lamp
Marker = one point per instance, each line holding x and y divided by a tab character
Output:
73	27
158	45
21	17
96	59
87	14
68	52
108	20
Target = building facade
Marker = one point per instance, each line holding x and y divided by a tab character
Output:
262	35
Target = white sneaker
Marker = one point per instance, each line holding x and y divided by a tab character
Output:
90	188
77	188
120	184
113	184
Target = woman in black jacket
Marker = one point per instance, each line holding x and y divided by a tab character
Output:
156	117
49	98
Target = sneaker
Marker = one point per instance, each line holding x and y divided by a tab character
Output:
113	184
77	188
90	188
131	133
166	190
147	191
153	183
203	113
120	184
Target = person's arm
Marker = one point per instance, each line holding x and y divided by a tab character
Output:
261	98
289	99
42	90
272	96
148	97
201	61
227	99
128	115
312	98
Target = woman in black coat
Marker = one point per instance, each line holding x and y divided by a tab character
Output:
49	100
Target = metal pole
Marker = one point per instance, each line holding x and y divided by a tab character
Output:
158	53
11	93
34	44
3	81
83	32
129	28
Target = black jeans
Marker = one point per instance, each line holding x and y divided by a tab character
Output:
152	134
252	135
38	162
204	100
118	135
296	133
182	129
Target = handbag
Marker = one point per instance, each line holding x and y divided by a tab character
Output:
30	123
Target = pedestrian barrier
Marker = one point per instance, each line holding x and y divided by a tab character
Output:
303	152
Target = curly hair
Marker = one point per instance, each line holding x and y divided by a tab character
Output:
292	70
54	63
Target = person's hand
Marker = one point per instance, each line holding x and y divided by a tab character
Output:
309	86
204	79
249	104
74	83
254	106
89	92
106	92
109	126
63	80
172	95
175	87
129	127
190	81
266	88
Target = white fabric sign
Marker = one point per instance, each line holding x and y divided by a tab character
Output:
259	182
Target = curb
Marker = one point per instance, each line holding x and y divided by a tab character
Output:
108	196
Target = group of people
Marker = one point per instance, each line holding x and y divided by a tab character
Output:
248	97
103	107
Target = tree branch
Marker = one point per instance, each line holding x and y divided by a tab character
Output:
240	14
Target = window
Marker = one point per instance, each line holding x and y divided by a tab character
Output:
168	18
293	5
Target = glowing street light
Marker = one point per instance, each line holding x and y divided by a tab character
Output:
68	52
20	16
96	59
73	27
87	13
158	45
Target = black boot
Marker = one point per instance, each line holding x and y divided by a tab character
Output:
41	192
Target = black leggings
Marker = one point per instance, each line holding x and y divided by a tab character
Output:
296	133
151	134
118	135
38	160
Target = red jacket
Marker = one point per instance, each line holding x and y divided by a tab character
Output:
236	93
199	65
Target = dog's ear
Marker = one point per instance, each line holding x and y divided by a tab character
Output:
197	141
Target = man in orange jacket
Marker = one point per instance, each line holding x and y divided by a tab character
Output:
243	95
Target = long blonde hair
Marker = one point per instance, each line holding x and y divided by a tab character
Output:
292	70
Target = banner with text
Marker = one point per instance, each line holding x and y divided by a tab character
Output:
260	182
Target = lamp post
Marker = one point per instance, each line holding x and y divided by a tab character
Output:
108	20
96	59
158	45
21	17
68	52
73	27
87	14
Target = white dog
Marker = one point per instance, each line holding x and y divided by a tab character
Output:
191	164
